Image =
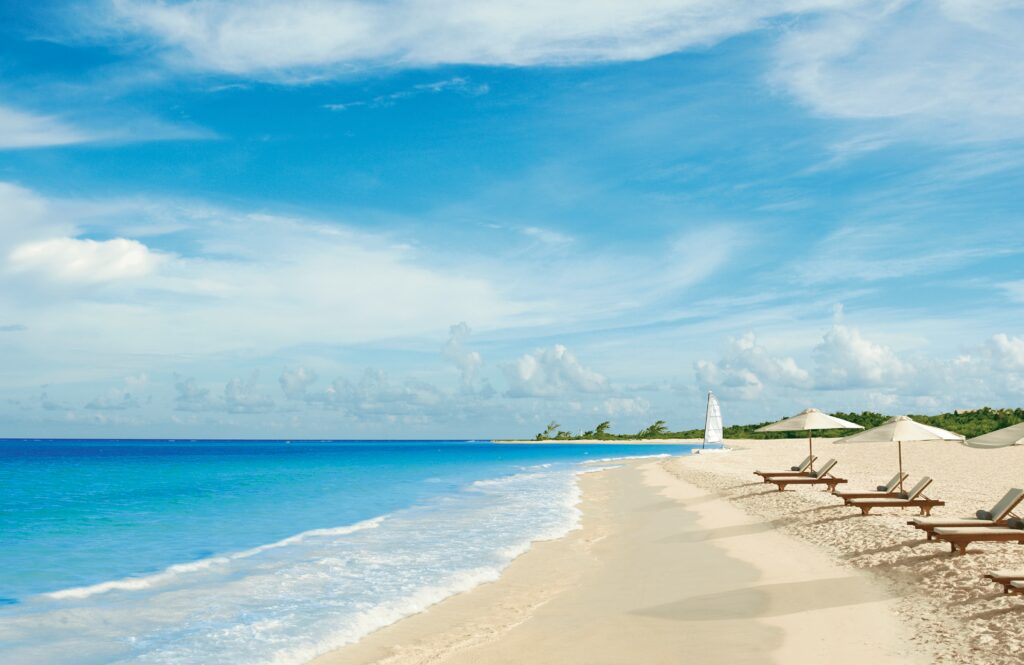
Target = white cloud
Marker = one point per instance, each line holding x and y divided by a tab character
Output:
746	367
845	359
954	64
454	351
1006	352
114	401
20	129
547	236
1014	290
266	38
244	396
294	382
84	261
626	406
872	252
456	84
551	372
190	396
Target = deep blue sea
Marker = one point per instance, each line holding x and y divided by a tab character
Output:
259	551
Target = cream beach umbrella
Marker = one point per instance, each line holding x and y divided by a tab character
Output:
900	429
809	420
1008	436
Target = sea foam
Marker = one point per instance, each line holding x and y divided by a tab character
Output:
285	602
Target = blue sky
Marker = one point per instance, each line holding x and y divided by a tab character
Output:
342	219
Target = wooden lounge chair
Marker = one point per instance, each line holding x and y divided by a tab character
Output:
1006	578
799	470
960	538
886	490
822	476
1002	511
915	498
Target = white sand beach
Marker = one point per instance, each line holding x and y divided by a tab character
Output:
692	556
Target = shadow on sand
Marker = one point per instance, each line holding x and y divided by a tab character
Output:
769	600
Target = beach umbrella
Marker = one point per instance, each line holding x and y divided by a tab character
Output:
1008	436
900	429
809	420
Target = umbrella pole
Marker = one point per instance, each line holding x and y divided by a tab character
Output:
810	448
899	446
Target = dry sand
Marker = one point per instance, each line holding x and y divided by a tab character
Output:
666	570
950	608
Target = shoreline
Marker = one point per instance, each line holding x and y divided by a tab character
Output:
658	571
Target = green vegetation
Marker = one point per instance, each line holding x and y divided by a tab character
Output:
969	423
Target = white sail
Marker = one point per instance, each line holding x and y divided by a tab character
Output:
713	421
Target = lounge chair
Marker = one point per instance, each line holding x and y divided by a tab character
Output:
915	498
799	470
822	476
960	538
1000	512
886	490
1006	578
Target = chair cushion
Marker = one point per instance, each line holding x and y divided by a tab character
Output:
794	468
983	515
1015	523
881	488
904	495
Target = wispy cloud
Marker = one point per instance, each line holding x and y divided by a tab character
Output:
21	129
285	40
949	70
456	84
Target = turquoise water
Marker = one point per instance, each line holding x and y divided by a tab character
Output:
258	551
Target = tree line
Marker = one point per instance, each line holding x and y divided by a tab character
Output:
969	423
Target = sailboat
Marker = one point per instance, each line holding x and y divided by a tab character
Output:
712	422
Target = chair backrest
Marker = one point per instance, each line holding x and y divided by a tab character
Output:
806	463
921	486
825	468
1007	504
894	481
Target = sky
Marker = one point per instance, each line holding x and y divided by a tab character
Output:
453	218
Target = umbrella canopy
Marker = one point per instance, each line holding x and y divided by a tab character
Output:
1008	436
807	421
900	429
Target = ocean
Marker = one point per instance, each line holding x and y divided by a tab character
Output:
187	552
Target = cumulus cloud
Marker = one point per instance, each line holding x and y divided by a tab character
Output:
49	404
244	396
84	261
1007	351
746	367
625	406
267	38
845	359
551	372
190	396
115	401
294	382
862	373
455	351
